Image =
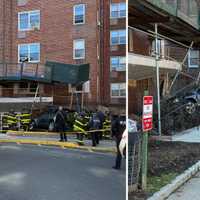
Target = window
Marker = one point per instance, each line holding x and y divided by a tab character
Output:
79	49
193	59
118	37
118	90
29	51
79	14
28	20
118	10
118	63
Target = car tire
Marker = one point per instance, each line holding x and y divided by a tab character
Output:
190	107
51	126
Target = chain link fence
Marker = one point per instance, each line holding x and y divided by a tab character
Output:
134	160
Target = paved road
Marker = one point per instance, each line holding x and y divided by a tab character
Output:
189	191
41	173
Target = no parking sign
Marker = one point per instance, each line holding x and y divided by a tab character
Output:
147	119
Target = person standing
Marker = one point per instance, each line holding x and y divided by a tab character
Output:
95	125
60	124
117	130
80	125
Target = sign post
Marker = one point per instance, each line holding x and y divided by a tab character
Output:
147	124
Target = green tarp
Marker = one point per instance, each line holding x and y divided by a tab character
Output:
67	73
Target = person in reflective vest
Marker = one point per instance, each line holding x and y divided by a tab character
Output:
10	120
80	125
107	126
24	120
95	125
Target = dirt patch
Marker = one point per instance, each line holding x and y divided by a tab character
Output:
167	158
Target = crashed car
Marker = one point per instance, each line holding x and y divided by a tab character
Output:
192	100
44	121
189	100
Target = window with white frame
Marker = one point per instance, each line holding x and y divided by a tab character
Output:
79	49
193	59
118	37
118	10
118	63
31	52
118	90
28	20
79	14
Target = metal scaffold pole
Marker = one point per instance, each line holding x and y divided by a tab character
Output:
157	79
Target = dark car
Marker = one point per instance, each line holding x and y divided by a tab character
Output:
44	120
189	101
192	100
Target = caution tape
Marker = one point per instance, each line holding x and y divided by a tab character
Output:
53	133
40	142
63	145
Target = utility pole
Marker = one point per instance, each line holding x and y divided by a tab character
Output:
157	79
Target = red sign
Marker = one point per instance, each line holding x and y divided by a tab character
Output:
147	120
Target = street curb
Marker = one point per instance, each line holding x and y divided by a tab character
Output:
59	144
176	183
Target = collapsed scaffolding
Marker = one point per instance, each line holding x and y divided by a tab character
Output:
164	109
50	73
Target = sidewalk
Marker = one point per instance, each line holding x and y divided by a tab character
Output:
191	136
104	146
189	190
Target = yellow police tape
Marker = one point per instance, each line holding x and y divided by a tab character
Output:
23	133
60	144
40	142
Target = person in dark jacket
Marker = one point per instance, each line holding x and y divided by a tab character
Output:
60	124
95	124
117	129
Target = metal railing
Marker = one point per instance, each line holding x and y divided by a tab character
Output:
20	70
167	49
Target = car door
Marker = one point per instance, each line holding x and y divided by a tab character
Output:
198	96
43	121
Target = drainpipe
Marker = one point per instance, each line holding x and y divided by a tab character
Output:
3	34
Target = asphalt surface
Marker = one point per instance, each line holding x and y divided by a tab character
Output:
48	173
189	191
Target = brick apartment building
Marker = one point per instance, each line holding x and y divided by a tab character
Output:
71	32
177	20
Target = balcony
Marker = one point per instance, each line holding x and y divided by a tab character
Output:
185	10
50	72
17	71
142	62
142	67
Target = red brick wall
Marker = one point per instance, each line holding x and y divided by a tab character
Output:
56	36
5	30
118	50
57	33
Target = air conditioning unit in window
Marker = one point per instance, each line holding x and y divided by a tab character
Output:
98	23
22	2
21	35
35	27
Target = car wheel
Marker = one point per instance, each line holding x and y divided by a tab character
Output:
190	107
51	126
